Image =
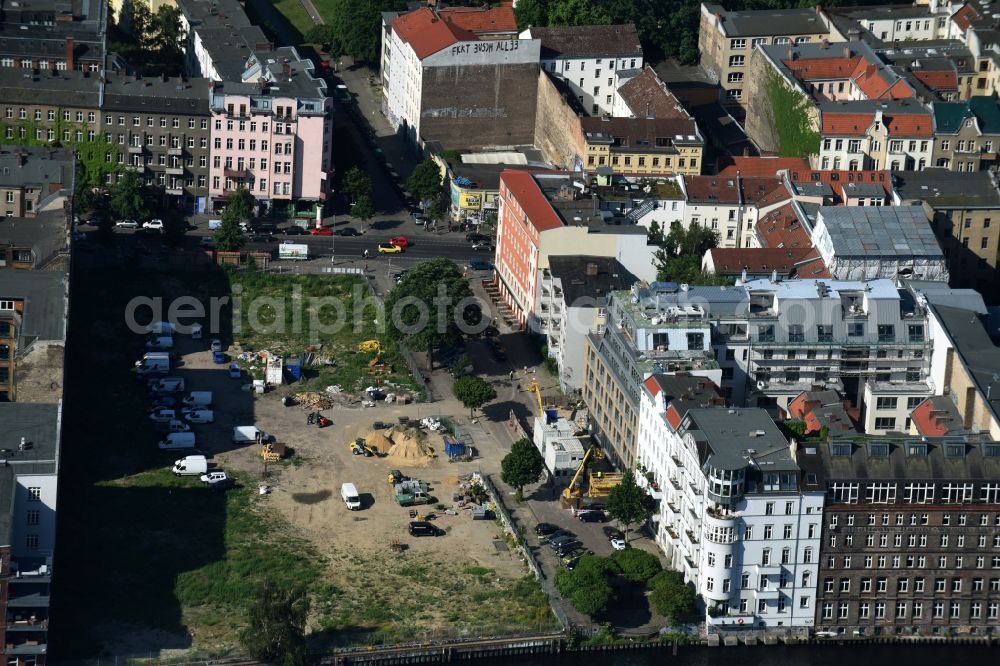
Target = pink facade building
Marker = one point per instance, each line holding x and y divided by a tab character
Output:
271	132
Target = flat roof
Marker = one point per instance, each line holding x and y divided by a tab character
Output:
156	94
737	438
39	425
73	89
585	278
879	230
8	486
44	293
941	187
808	288
583	41
764	22
46	234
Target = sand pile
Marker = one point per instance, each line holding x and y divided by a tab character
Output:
377	440
409	448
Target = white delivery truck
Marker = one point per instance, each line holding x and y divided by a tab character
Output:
198	399
191	466
294	251
177	440
199	415
350	496
248	435
167	385
153	363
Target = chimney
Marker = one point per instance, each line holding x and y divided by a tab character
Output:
22	158
70	54
163	77
847	52
825	44
591	269
791	53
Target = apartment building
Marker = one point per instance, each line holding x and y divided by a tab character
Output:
55	35
895	23
895	135
545	214
727	39
571	306
459	76
966	134
659	328
33	181
911	532
737	515
219	39
636	147
644	95
49	106
731	206
271	133
587	58
162	128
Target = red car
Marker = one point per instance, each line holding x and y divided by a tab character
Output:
399	241
321	231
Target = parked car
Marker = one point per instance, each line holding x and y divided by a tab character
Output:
419	528
220	358
261	238
321	231
173	425
556	541
399	241
153	224
618	544
483	246
294	230
592	517
476	237
558	534
567	547
545	528
199	415
234	371
389	248
206	241
127	224
612	533
216	345
478	264
347	231
164	401
213	477
419	219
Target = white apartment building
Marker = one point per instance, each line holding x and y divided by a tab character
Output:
872	135
589	58
737	516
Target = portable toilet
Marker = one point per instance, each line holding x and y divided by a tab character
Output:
293	369
551	416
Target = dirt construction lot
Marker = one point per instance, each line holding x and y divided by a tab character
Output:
467	582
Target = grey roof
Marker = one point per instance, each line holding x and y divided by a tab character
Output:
45	234
226	32
67	88
887	106
766	22
814	188
978	353
880	12
726	438
44	293
301	82
879	230
940	188
685	391
867	463
715	301
939	293
864	190
581	289
39	425
43	167
584	41
149	95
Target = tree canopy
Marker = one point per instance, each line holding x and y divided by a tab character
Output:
414	314
363	209
128	199
636	565
523	465
473	392
425	180
681	251
586	587
353	27
276	623
671	596
629	504
357	183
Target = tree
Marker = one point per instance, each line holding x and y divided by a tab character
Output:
352	27
83	189
424	308
671	596
637	565
530	13
168	32
655	235
363	209
523	465
229	237
473	392
629	504
438	210
586	587
276	622
577	12
357	183
425	181
240	206
174	227
681	251
127	200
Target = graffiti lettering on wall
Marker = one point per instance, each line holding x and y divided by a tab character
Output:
485	47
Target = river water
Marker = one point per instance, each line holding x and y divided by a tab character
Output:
800	655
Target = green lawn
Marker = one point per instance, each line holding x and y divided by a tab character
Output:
295	13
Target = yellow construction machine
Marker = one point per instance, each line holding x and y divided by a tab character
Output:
537	390
572	493
601	483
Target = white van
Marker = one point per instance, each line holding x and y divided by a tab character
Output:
350	496
191	466
167	385
199	415
177	440
153	363
160	342
198	399
248	435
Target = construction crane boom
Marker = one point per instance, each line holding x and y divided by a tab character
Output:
536	389
571	491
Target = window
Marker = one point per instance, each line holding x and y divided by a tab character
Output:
31	541
737	44
32	516
855	330
735	77
885	423
885	403
736	60
34	493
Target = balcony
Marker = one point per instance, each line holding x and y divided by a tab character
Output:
238	174
677	461
33	600
138	168
175	151
175	191
135	150
768	594
719	515
175	170
26	648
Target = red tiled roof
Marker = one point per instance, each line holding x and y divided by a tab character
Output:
838	178
846	123
823	68
964	17
532	200
936	416
921	124
648	97
856	124
759	166
673	416
652	385
868	77
475	20
813	269
720	189
938	79
781	229
732	261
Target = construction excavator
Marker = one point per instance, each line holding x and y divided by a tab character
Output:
571	495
